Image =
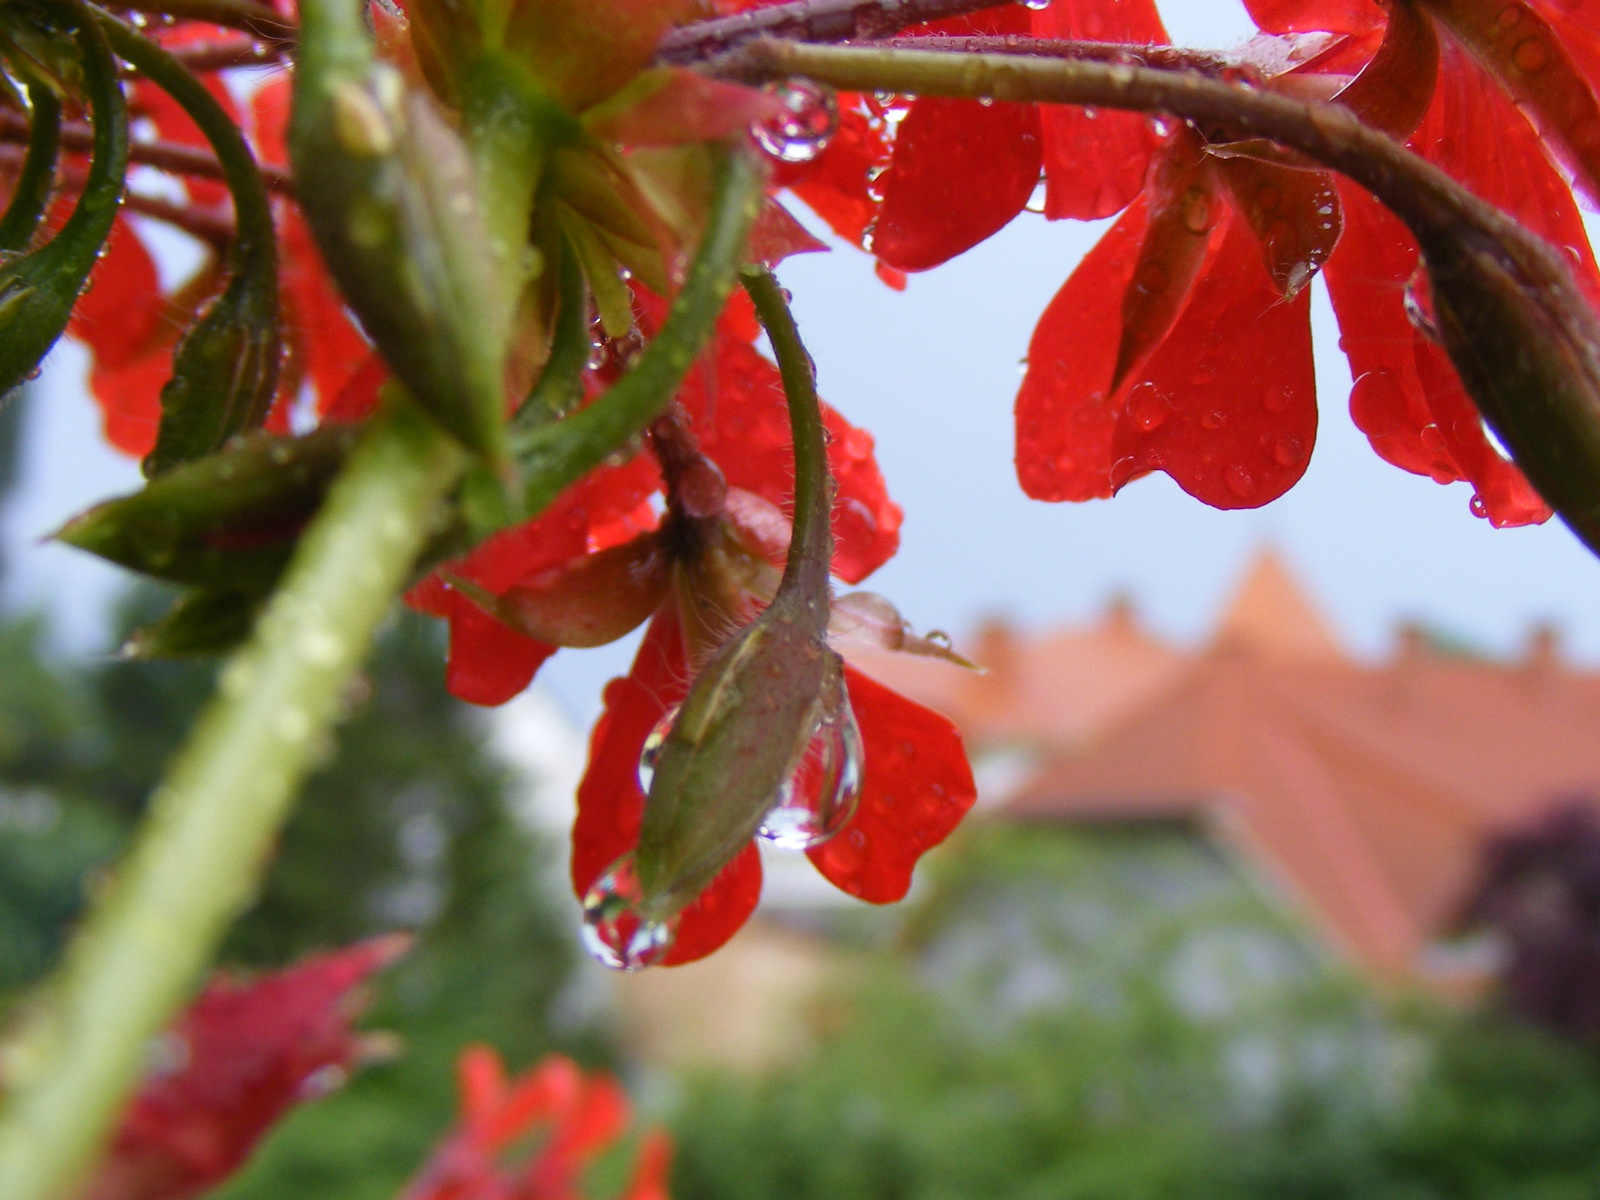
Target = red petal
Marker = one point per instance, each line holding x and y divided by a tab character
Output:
1406	398
742	423
1095	161
248	1052
359	396
1309	16
916	787
960	171
776	235
1294	215
119	316
1183	211
611	806
1064	419
1236	372
1395	88
1527	59
652	1169
130	402
489	661
834	184
1508	169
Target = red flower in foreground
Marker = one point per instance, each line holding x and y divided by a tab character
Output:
574	1116
244	1053
915	788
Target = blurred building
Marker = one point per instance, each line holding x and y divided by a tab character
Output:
1252	817
1359	792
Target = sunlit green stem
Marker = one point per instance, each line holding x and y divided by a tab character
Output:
199	855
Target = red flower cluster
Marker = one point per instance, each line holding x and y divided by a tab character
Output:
574	1117
243	1055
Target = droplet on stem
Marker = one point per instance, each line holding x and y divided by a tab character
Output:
615	932
819	799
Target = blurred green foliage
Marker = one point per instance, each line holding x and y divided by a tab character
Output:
406	825
1046	1034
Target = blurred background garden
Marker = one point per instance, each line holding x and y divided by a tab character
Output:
1251	916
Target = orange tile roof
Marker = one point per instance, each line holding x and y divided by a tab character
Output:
1364	790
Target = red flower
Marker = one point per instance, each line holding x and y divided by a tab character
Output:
242	1055
916	786
1210	377
576	1117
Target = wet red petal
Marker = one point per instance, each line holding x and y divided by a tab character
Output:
489	661
1183	210
1095	161
1508	170
247	1052
1294	215
172	124
119	316
359	396
1395	88
1406	398
916	787
742	423
1309	16
776	235
130	402
960	171
611	806
1232	412
834	184
1529	60
1063	415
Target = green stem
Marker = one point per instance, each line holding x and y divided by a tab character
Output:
560	385
200	852
556	455
805	574
251	206
31	194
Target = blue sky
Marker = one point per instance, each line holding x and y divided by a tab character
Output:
932	372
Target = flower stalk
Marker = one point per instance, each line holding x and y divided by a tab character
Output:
199	855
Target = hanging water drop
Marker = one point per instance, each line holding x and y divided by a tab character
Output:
1417	301
651	752
804	124
614	932
820	797
1036	5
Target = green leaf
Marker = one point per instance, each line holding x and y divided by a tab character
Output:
203	623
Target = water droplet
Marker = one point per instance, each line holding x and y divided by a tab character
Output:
1036	5
1197	215
1278	398
1531	55
1418	303
820	797
1214	419
1509	16
806	121
651	752
613	931
1148	406
1377	404
1240	482
1432	438
1478	506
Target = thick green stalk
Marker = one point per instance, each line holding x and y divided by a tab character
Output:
555	455
199	854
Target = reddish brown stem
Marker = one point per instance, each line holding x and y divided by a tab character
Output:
246	15
809	21
1135	54
165	156
235	52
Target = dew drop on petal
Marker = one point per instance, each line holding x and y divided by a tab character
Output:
652	748
805	123
1148	406
820	797
1479	507
1036	5
1417	300
613	931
